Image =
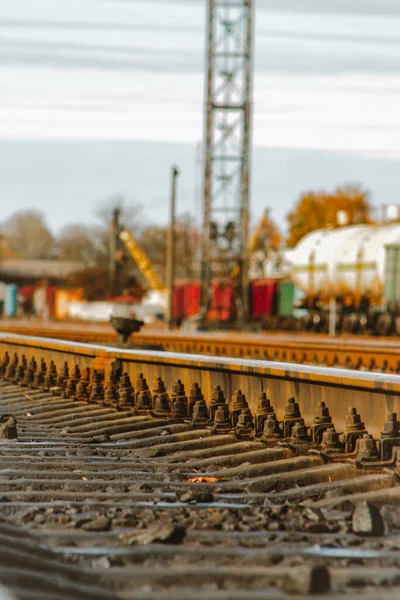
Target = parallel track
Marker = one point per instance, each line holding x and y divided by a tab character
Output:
100	500
365	354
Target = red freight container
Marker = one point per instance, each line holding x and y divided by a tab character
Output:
223	306
177	303
191	299
51	296
263	294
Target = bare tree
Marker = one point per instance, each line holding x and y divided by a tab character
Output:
77	242
28	236
154	241
131	219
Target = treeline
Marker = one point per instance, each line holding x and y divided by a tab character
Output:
26	235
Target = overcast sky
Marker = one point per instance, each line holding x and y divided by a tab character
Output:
100	96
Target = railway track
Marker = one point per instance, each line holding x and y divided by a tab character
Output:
364	354
169	489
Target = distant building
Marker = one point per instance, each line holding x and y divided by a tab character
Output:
24	272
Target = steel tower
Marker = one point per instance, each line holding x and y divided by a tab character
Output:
227	146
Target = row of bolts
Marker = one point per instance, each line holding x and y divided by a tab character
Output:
119	393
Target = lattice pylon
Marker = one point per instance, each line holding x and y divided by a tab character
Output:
227	146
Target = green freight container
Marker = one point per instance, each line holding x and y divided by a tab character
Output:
391	287
286	298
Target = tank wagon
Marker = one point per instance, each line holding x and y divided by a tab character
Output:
354	271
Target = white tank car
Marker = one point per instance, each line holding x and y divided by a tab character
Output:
345	261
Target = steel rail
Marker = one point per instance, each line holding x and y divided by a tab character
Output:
357	353
373	394
100	500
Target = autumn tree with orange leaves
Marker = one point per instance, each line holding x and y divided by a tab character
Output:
318	210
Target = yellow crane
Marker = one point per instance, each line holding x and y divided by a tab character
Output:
143	262
272	233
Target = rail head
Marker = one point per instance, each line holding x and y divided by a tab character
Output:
374	395
330	376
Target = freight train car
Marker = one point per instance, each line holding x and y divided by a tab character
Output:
272	303
354	271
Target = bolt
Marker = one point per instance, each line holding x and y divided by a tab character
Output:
354	429
179	408
126	392
11	369
162	404
97	390
159	387
20	371
178	389
330	442
194	395
40	375
4	364
144	401
291	416
50	379
353	420
221	418
179	396
322	414
200	413
141	386
299	433
264	409
264	404
239	401
217	396
30	373
64	376
111	393
321	422
391	426
217	400
367	449
389	436
272	430
244	425
292	410
82	389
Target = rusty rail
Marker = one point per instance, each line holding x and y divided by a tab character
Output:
363	354
373	394
114	490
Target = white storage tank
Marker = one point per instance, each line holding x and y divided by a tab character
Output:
347	261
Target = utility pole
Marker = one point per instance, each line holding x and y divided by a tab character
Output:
170	268
227	135
114	247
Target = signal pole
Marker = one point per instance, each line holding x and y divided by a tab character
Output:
227	135
170	270
114	247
